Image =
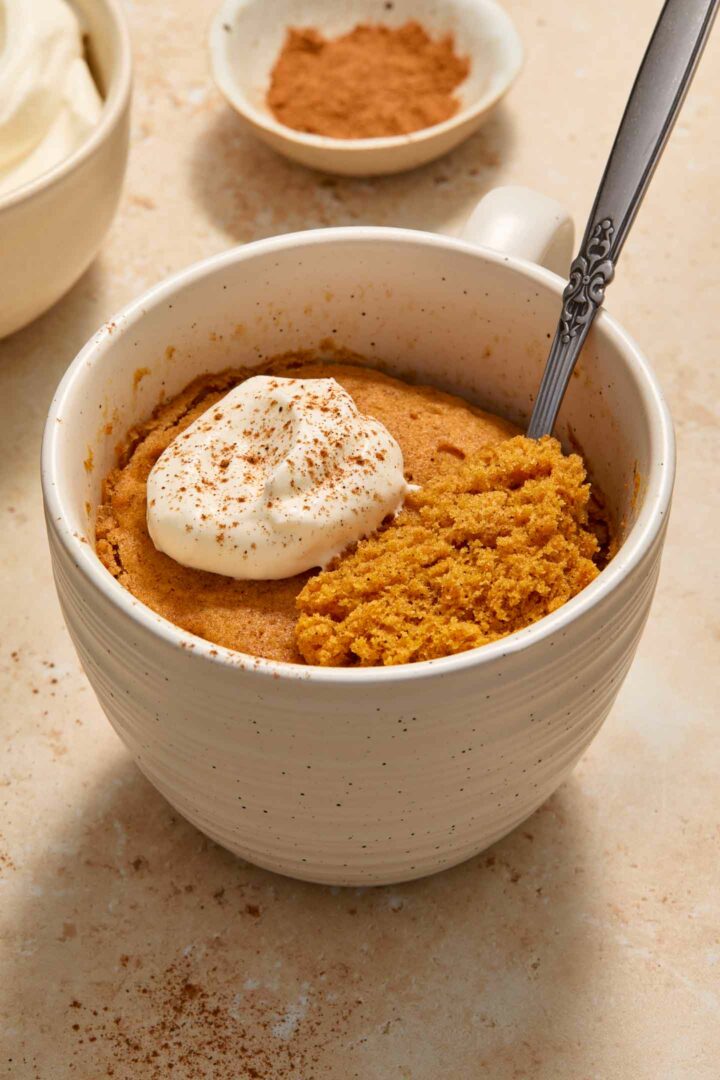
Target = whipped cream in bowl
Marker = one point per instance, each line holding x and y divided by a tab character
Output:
278	477
49	103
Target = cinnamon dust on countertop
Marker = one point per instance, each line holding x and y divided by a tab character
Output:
374	81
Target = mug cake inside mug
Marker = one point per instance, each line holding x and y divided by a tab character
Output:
492	531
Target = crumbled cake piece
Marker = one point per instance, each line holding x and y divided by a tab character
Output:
476	554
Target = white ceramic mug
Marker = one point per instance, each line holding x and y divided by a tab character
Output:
364	776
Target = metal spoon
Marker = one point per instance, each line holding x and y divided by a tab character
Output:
655	100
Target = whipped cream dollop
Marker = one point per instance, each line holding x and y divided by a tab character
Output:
48	100
280	476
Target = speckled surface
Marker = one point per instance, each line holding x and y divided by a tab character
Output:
586	945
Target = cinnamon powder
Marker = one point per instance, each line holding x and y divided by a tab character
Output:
371	82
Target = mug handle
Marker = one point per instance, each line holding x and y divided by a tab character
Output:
523	223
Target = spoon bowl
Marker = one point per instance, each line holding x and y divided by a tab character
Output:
246	37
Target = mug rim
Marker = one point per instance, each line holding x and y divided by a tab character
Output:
638	542
114	105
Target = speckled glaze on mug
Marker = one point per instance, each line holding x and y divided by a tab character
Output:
375	775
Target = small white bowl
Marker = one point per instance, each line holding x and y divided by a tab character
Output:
246	37
52	227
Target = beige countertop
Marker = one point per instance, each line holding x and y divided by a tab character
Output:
585	946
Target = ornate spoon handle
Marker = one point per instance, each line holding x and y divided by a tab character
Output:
660	87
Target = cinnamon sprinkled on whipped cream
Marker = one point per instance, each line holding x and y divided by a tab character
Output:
278	477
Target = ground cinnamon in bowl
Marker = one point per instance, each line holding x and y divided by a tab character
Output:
373	81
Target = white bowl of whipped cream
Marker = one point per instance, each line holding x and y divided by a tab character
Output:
65	77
